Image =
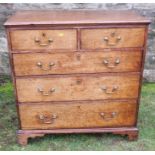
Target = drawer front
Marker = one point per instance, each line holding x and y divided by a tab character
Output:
77	88
112	38
78	115
72	62
43	39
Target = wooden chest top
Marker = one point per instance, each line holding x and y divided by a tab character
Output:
75	17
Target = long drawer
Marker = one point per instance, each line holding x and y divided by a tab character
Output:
78	115
112	38
89	87
43	39
76	62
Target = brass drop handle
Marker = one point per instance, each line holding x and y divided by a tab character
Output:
52	90
41	66
106	63
112	90
39	42
117	40
47	119
108	116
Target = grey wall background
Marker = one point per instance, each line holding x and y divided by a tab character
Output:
145	9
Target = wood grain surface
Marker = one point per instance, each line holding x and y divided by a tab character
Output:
78	115
61	17
129	37
77	88
61	39
76	62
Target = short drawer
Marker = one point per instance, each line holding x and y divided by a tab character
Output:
43	39
66	88
112	38
78	115
76	62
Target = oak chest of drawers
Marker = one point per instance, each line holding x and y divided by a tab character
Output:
77	71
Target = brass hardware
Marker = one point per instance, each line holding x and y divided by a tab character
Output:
52	90
108	116
43	34
79	81
106	39
51	64
117	40
112	91
47	119
78	56
39	42
39	64
112	34
117	61
106	63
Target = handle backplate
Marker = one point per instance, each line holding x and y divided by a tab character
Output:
47	119
43	43
46	93
41	66
111	65
109	90
107	116
116	38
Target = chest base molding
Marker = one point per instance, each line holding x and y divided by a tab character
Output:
24	135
